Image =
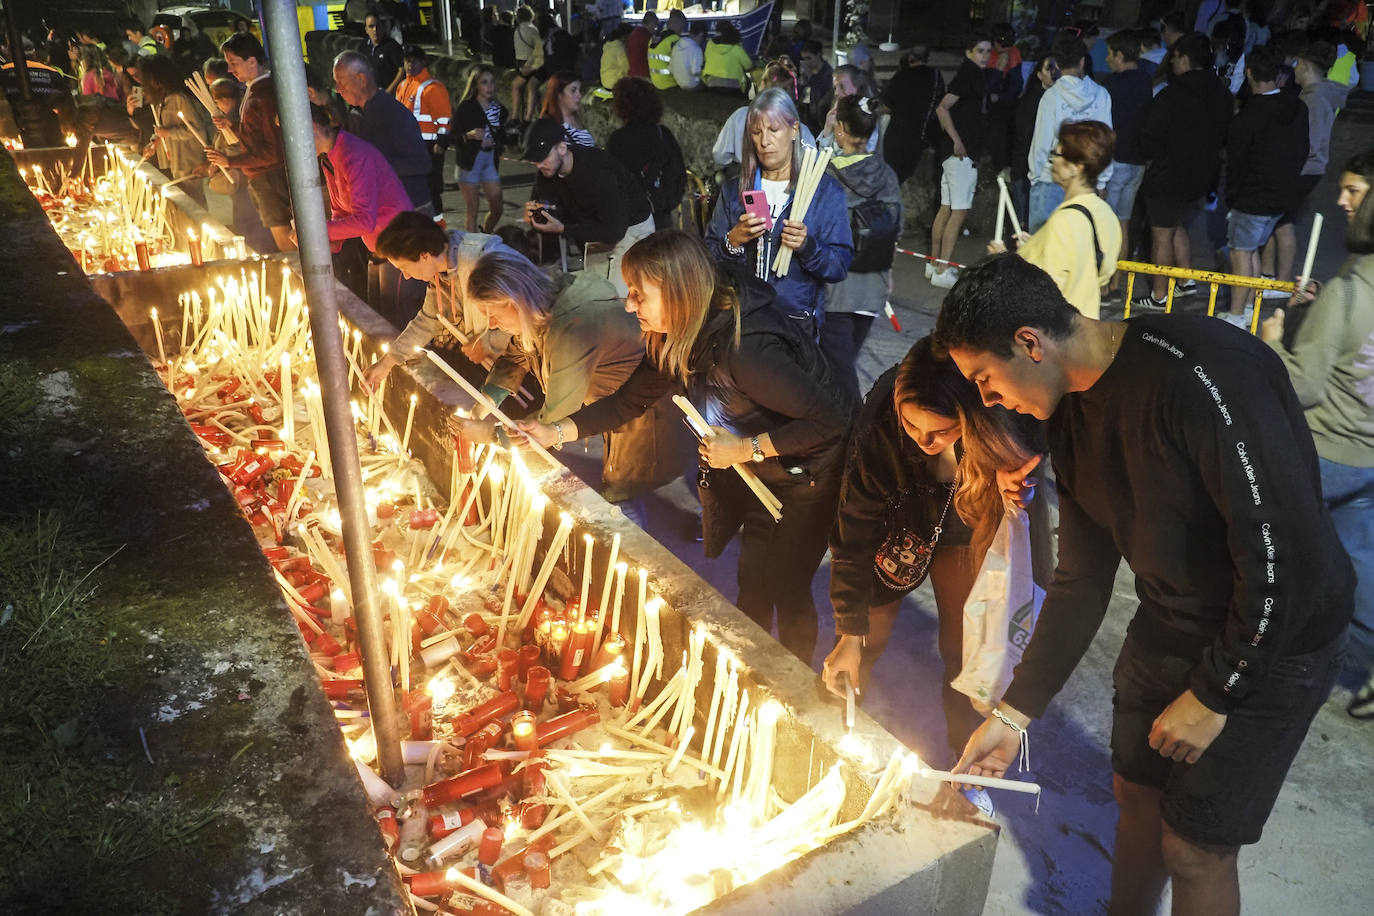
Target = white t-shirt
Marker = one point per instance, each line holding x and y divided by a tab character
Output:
776	192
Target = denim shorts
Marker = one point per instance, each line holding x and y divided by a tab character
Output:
484	169
1247	231
1225	797
1122	188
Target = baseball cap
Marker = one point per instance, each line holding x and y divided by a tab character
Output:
413	51
545	134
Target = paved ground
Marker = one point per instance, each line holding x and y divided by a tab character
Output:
1315	853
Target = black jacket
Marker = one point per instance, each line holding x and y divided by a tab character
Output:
468	115
776	381
888	483
1265	154
597	200
1183	136
1023	127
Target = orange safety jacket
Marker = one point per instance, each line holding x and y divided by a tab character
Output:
428	100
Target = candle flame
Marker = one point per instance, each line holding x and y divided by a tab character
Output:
441	689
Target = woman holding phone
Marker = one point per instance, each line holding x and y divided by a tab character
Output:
753	217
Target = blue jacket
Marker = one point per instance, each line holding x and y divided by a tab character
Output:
823	258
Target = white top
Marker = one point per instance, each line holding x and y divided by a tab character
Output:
776	192
686	63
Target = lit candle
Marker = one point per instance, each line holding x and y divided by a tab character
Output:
157	332
606	596
193	245
991	782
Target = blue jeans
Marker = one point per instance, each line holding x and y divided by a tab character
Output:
1349	495
1044	197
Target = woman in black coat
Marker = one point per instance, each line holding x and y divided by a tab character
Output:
773	406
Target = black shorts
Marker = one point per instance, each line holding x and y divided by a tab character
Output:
1164	213
1225	798
271	196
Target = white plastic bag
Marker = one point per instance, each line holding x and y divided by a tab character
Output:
1000	614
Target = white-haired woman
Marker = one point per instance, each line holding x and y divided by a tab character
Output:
572	333
822	246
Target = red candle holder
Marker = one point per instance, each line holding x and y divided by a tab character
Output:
537	867
522	731
566	724
508	663
575	652
462	453
141	252
481	646
194	247
487	737
490	848
386	821
441	825
469	722
537	688
476	624
620	687
386	510
611	649
468	782
423	518
529	657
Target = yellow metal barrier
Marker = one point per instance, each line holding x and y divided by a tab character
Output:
1217	280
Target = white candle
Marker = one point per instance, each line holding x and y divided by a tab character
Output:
640	637
605	604
586	578
1001	213
733	760
620	570
990	782
454	876
1311	251
715	709
550	559
157	332
288	406
410	420
681	749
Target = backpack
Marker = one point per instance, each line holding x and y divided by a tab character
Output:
876	226
664	178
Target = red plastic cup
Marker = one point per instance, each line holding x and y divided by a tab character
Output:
529	657
507	661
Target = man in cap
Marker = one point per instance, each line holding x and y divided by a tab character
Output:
428	100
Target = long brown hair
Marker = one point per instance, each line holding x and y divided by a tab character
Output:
553	106
679	264
992	442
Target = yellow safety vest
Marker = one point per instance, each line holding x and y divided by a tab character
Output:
661	61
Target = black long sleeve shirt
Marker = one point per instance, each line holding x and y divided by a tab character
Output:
1189	457
597	200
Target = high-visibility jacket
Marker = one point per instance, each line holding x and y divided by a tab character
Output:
661	61
428	100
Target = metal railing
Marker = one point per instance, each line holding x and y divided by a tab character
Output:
1217	280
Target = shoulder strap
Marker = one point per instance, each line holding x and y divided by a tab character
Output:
1097	246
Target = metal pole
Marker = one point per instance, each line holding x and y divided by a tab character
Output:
446	26
303	172
835	35
28	114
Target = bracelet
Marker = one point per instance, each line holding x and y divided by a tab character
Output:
732	249
558	428
1025	738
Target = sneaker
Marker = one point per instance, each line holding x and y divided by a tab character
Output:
1362	704
945	279
1185	288
930	270
1241	321
1147	304
980	799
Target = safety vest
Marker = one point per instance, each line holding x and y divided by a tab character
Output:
661	60
432	116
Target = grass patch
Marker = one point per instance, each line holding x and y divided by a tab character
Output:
77	816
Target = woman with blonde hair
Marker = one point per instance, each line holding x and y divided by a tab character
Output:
927	476
573	335
773	406
822	246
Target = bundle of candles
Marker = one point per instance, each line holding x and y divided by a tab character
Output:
117	221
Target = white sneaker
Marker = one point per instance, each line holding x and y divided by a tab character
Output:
980	800
1241	321
930	270
945	279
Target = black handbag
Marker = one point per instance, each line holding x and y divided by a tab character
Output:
902	560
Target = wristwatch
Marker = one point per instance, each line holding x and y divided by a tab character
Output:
758	451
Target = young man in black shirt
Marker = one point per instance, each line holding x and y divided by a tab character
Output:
585	194
1179	444
963	117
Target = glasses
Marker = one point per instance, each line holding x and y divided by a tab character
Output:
1056	154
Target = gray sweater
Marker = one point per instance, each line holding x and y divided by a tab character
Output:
863	176
1323	100
1332	367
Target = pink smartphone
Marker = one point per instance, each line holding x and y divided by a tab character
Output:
756	204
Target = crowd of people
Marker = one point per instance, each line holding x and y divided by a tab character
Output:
1260	447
